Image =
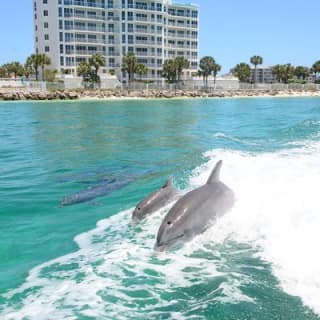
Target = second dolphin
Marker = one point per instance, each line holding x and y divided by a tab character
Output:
155	201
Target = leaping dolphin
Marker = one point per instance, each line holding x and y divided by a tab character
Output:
195	212
155	201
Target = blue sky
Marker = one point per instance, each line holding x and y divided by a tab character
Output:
281	31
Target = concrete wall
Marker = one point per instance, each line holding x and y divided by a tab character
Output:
107	82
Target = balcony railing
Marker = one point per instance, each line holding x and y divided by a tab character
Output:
85	52
142	54
86	16
84	3
85	28
81	40
148	42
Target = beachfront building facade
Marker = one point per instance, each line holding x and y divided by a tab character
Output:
70	31
262	74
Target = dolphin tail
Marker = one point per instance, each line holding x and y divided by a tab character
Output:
215	173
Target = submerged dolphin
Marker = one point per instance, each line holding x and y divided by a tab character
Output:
94	191
155	201
195	212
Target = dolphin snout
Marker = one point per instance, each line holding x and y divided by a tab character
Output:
159	248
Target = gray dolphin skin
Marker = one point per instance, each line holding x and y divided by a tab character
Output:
195	212
94	191
155	201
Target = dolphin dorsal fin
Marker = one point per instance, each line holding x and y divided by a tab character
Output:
167	184
215	173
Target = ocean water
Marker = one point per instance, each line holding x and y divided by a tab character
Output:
259	261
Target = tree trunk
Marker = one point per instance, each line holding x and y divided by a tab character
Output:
255	75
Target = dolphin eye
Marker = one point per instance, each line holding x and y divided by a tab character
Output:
139	208
169	222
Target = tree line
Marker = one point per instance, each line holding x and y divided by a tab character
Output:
172	69
32	66
283	73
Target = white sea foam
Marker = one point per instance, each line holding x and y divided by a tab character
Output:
116	275
277	210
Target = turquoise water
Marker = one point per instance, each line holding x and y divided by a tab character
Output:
260	261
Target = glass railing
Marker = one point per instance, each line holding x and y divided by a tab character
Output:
83	3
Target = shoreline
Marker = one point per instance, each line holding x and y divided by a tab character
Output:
116	95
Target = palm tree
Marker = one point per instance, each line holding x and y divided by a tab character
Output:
15	68
3	72
84	71
316	68
141	70
277	72
129	65
216	69
288	72
243	72
44	61
301	72
255	60
206	68
283	72
180	63
169	70
97	60
28	69
33	62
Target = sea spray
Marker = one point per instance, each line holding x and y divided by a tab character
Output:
116	273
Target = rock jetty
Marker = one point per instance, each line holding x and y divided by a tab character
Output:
147	94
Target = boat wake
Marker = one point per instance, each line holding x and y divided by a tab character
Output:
116	275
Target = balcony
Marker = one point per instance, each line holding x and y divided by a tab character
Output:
84	52
86	16
84	3
142	54
148	42
81	40
85	28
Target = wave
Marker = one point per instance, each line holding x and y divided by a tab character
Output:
277	212
115	273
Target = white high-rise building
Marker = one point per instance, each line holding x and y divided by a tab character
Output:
70	31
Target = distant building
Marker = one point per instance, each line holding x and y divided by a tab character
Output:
263	75
70	31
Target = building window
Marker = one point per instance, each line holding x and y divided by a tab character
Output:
45	13
46	37
46	25
46	49
45	1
